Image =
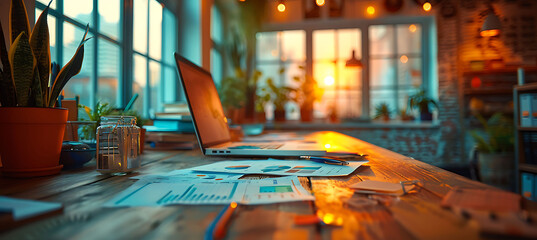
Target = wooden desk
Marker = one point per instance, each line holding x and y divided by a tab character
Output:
412	216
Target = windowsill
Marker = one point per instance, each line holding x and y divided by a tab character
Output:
325	125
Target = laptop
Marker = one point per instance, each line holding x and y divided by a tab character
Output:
210	123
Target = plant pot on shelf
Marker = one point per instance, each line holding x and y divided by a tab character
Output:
31	140
279	115
497	169
306	113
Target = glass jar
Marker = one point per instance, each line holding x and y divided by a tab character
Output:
118	145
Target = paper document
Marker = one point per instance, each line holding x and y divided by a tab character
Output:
22	208
301	168
187	175
259	191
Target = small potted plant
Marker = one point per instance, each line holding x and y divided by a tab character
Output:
32	127
495	146
382	111
94	115
307	94
422	102
279	96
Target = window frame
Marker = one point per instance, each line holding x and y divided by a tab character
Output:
427	23
125	43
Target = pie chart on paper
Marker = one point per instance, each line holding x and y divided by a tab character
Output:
275	168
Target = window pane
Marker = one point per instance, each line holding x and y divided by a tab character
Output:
349	40
52	5
79	85
109	15
140	82
381	40
52	33
267	46
140	26
324	73
156	93
293	45
409	38
155	30
269	71
350	91
170	85
79	10
382	72
323	45
409	73
108	72
170	37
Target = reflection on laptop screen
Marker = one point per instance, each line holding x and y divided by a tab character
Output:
205	105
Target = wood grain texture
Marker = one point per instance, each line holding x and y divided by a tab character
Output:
349	215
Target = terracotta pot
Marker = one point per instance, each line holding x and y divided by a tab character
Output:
306	114
31	140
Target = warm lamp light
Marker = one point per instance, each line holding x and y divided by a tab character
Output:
403	59
281	7
370	10
492	25
353	61
412	28
329	81
427	6
320	3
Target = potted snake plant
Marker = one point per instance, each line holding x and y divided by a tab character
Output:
32	126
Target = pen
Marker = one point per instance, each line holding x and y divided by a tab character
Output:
325	160
217	229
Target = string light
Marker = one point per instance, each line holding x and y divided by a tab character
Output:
403	59
412	28
427	6
319	2
370	10
281	7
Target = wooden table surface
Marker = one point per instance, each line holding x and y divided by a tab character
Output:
417	215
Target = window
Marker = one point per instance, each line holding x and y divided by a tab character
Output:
342	85
395	53
285	50
107	75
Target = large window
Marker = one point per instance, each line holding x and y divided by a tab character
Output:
395	53
117	63
395	57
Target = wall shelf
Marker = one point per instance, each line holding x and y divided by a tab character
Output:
521	163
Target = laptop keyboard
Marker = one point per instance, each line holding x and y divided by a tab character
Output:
268	146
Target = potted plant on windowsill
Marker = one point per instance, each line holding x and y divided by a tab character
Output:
421	101
382	111
307	94
32	128
279	96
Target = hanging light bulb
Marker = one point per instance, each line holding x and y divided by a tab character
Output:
320	3
370	10
492	25
281	6
427	6
353	61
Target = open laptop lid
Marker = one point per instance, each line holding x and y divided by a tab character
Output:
210	123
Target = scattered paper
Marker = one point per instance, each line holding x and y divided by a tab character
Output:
377	187
22	208
281	167
187	175
259	191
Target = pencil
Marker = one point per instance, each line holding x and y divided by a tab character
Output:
218	228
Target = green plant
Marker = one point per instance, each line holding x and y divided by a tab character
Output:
382	110
498	134
308	91
95	114
27	78
140	121
421	101
403	114
278	95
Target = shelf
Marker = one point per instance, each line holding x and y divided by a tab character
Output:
526	87
503	91
527	129
510	70
528	167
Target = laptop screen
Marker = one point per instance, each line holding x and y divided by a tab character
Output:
204	103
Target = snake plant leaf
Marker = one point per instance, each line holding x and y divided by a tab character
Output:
55	69
40	44
18	19
7	88
22	67
36	96
70	69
